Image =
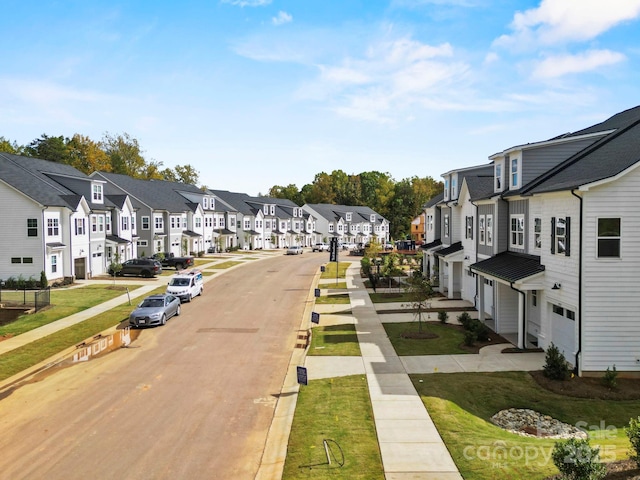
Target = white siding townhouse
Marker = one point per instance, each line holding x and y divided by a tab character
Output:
353	224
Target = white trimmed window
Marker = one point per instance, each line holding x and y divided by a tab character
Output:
560	235
446	189
80	230
497	168
158	223
515	168
108	223
32	227
97	193
53	227
454	188
489	230
145	223
537	232
516	231
481	229
54	263
446	225
609	238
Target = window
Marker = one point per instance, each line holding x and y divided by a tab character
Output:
101	223
27	259
145	221
133	222
125	223
108	220
498	177
489	230
158	223
516	232
446	225
198	222
94	223
54	263
142	243
331	227
558	310
97	193
265	209
53	227
537	232
174	221
560	236
348	216
80	226
534	298
184	221
481	236
469	227
571	315
454	189
608	237
372	218
514	172
16	260
430	223
446	189
32	227
247	224
272	209
205	203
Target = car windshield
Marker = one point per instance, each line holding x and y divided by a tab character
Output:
179	282
152	303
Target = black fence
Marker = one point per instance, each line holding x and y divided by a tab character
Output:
28	298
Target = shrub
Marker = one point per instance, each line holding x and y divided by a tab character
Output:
555	366
365	263
443	316
576	460
481	330
465	320
610	378
469	338
633	433
44	283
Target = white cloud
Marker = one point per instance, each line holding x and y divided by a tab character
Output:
248	3
559	65
558	21
282	18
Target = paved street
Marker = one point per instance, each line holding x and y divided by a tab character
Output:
193	399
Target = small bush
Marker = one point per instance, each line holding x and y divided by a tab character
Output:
610	378
469	338
481	330
576	460
365	263
44	283
633	433
465	320
555	366
443	316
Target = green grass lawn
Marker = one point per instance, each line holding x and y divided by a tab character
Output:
337	409
461	404
334	340
392	297
333	285
336	299
227	264
330	270
65	302
447	343
33	353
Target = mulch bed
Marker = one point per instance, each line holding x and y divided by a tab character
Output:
494	338
590	387
618	470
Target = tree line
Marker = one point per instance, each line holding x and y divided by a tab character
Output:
115	153
397	201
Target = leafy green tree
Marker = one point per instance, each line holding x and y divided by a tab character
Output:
125	154
186	174
87	155
54	149
9	146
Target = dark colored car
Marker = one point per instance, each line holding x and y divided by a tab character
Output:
155	310
141	267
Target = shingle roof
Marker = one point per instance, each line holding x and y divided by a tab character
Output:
434	201
510	266
480	187
453	248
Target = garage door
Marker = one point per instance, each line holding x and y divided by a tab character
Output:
563	332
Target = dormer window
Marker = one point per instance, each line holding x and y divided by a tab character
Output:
272	209
454	188
212	203
498	176
205	203
446	189
348	216
515	179
372	218
265	209
97	193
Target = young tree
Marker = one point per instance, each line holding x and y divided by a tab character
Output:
420	291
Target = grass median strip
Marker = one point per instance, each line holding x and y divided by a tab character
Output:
448	339
337	410
340	340
223	265
35	352
330	270
336	299
461	404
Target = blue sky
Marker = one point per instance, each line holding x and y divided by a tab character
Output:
254	93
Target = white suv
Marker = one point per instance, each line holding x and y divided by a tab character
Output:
320	247
187	285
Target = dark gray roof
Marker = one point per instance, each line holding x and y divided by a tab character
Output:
480	187
434	201
157	194
453	248
116	239
334	212
509	266
30	176
617	121
237	201
191	233
604	159
430	245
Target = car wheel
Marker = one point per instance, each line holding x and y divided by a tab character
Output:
189	298
178	311
200	292
163	320
178	266
146	274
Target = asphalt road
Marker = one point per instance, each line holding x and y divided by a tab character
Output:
191	400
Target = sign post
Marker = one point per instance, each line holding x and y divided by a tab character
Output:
302	375
333	253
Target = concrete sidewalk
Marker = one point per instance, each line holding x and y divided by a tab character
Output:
410	445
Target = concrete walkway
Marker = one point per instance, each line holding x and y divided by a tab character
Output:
410	445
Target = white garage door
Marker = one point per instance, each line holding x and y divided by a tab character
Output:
563	332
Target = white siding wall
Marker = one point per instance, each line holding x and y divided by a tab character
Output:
611	300
62	257
469	246
80	243
14	241
507	317
456	224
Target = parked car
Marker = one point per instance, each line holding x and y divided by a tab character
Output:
320	247
142	267
170	260
187	285
294	250
388	246
155	310
349	246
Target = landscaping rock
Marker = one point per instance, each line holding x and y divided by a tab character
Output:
530	423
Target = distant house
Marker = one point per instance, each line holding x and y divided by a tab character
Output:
349	224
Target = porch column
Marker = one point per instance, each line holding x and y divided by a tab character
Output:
480	298
450	284
521	326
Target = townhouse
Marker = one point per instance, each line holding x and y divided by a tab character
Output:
349	224
544	248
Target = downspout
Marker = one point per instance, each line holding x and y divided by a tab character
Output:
524	321
477	242
579	351
44	242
